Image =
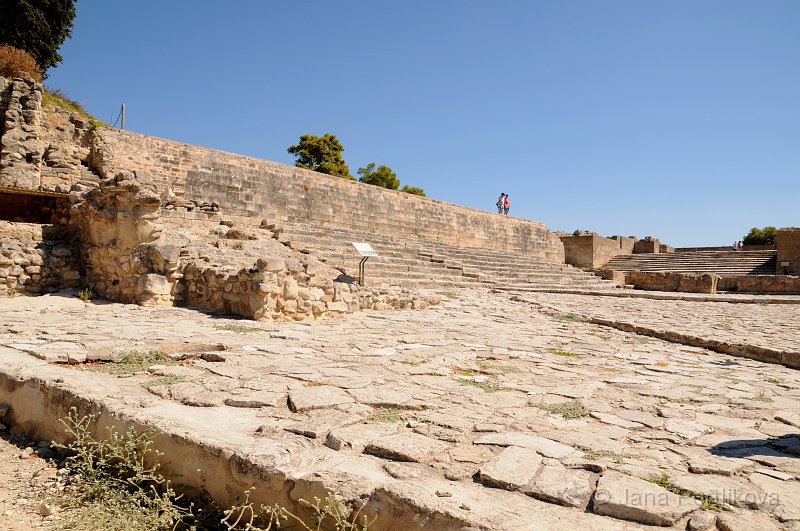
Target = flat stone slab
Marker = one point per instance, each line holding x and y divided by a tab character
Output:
712	464
511	469
557	484
406	446
546	447
783	497
317	397
730	490
614	420
256	399
635	499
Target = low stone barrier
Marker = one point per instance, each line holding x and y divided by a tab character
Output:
669	281
783	284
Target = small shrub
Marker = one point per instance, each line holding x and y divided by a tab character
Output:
487	387
85	294
134	362
386	415
708	502
570	318
239	329
563	353
237	246
591	454
170	379
14	62
569	410
330	510
116	486
59	100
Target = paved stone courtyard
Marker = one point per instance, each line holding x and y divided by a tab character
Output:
493	411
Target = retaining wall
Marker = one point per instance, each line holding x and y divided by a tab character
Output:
247	186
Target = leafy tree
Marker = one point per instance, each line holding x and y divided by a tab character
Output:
756	236
322	154
37	26
413	190
383	176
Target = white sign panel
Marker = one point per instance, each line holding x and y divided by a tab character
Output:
364	249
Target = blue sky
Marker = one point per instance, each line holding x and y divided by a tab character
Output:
677	119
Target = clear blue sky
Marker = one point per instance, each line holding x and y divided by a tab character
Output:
679	119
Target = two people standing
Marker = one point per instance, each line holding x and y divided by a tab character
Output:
503	204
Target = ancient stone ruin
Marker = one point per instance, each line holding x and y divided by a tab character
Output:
529	394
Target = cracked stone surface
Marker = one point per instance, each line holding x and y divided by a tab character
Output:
435	409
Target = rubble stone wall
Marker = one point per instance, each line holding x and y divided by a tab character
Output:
42	146
278	192
36	259
20	156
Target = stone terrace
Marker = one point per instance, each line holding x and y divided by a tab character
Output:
423	264
723	263
495	411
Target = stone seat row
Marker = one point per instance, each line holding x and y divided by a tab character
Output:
426	264
724	263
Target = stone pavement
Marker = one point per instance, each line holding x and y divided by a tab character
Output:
494	411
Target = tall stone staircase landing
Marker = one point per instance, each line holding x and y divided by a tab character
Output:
422	264
723	263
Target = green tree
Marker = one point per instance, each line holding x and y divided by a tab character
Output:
322	154
756	236
383	176
413	190
37	26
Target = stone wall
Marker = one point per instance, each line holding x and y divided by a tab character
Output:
56	149
20	155
42	146
278	192
787	243
593	251
647	245
668	281
777	284
36	259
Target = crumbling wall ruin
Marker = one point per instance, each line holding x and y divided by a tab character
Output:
127	259
36	259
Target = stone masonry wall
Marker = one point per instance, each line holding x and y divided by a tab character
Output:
787	243
36	259
278	192
20	157
593	251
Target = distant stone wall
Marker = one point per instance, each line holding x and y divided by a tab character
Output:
647	246
593	251
669	281
252	187
787	243
777	284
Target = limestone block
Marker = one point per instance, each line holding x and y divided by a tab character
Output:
337	307
154	284
290	289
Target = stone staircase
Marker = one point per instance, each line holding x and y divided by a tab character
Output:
423	264
723	263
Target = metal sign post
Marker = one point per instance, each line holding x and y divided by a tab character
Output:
365	250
